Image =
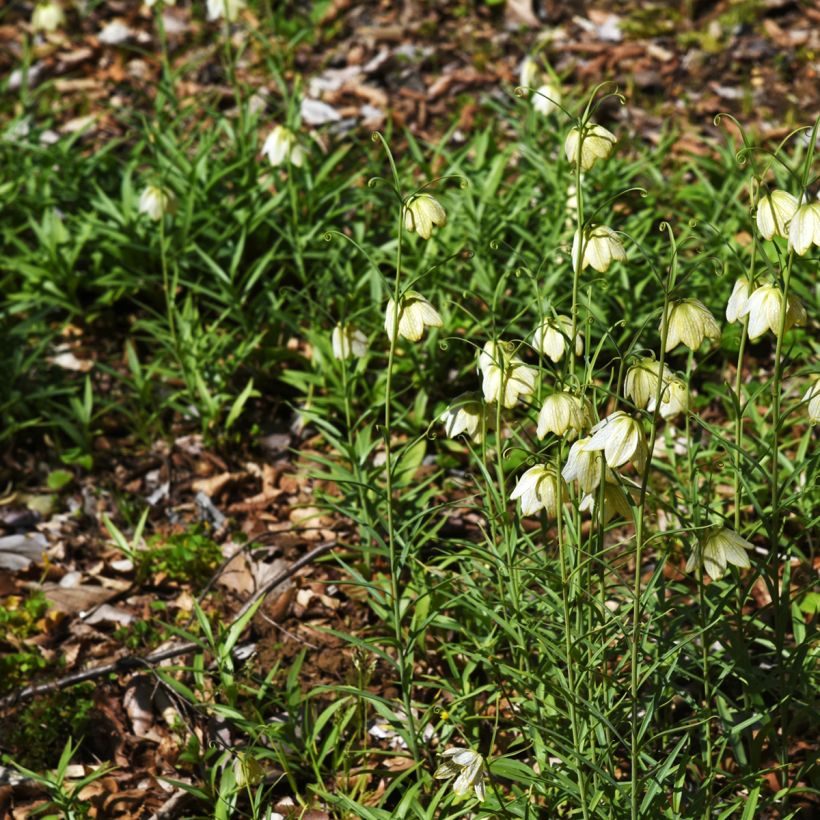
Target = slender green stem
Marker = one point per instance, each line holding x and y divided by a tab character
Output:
168	287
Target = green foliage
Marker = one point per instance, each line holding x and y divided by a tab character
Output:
20	618
185	557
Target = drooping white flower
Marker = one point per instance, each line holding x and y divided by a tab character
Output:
552	336
764	311
736	306
152	3
348	341
155	202
774	212
615	502
464	415
529	72
538	490
229	9
281	147
621	438
415	313
641	383
422	213
588	147
718	548
564	414
690	322
674	398
546	99
812	396
804	229
469	769
601	246
505	377
47	16
583	465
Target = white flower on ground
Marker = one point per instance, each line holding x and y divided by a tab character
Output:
718	548
813	398
621	438
546	98
763	310
281	146
736	306
690	322
467	766
615	502
601	247
583	465
48	16
774	212
229	9
565	415
552	336
464	415
641	383
348	341
152	3
804	229
538	490
422	213
674	399
415	314
529	72
155	202
596	144
504	376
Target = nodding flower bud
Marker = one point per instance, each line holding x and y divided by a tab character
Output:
586	146
764	311
583	465
621	438
551	338
229	9
690	322
641	383
564	415
538	490
421	213
601	246
615	502
281	147
464	415
347	341
546	99
155	202
804	228
415	313
47	16
505	377
812	396
718	548
774	212
469	769
736	306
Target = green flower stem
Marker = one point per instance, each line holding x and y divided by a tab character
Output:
576	273
168	287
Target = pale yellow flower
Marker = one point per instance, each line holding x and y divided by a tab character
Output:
415	314
469	769
641	383
596	144
736	306
546	99
422	213
615	502
552	336
229	9
529	72
804	229
47	16
674	398
774	212
690	322
347	341
281	147
538	490
464	415
564	415
505	377
764	311
155	202
583	465
718	548
601	247
621	438
813	398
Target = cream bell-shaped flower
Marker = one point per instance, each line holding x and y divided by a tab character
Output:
415	314
615	502
774	212
469	769
504	376
464	415
641	383
422	213
546	99
804	228
529	73
48	16
347	341
718	548
763	310
813	398
152	3
601	247
736	306
552	336
690	322
596	144
621	438
583	465
674	398
538	490
281	147
155	202
229	9
565	415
